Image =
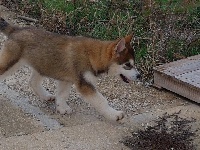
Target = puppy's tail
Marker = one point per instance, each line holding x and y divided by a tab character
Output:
5	27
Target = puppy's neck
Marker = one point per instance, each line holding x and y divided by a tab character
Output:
101	61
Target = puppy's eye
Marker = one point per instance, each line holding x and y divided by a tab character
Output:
127	66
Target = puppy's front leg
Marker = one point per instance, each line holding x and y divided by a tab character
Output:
96	99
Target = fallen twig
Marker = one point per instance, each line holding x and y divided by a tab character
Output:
28	19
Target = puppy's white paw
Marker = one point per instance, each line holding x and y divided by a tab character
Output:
114	115
119	116
63	109
49	98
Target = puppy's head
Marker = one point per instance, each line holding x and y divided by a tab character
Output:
122	63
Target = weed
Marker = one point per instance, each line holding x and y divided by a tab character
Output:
169	132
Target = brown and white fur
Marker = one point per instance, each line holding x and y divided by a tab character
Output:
69	60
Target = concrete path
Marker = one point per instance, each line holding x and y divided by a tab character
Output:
25	127
24	132
92	136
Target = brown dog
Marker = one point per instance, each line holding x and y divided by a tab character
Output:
69	60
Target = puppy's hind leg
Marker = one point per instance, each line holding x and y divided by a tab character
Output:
62	95
11	70
9	59
36	84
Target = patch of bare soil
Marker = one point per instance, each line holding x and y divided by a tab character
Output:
170	132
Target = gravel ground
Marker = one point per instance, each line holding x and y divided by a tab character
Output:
132	98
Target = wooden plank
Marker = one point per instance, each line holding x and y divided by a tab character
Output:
178	63
181	77
177	86
183	68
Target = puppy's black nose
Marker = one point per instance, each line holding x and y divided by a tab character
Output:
138	76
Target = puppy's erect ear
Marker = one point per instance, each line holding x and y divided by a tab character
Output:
128	38
120	46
